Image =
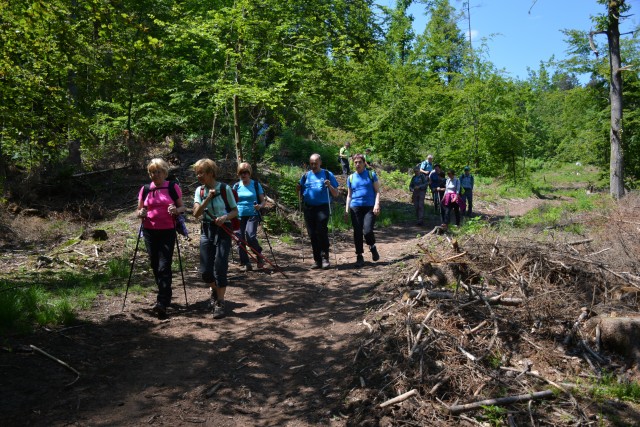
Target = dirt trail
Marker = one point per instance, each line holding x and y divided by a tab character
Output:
282	356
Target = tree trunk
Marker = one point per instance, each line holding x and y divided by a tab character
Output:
616	162
236	128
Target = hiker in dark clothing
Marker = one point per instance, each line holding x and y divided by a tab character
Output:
418	188
434	183
467	183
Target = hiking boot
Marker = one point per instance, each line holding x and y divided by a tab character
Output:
325	263
260	264
359	261
316	265
374	253
218	310
248	267
160	310
212	300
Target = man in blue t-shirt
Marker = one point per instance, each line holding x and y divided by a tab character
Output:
427	166
314	188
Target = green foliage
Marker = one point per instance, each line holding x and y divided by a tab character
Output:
495	414
118	267
290	148
610	387
278	224
394	179
474	225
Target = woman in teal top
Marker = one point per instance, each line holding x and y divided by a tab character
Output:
250	201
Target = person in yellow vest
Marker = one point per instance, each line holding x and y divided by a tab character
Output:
344	157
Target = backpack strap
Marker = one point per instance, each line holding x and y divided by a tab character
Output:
173	193
223	193
146	189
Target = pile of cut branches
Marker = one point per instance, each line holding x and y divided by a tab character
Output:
484	331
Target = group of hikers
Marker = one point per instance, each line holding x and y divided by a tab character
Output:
448	192
232	213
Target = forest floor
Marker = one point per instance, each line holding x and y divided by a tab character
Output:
284	355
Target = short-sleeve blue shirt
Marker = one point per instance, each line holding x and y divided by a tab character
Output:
314	192
426	166
361	185
246	198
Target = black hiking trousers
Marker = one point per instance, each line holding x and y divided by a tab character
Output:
160	244
317	220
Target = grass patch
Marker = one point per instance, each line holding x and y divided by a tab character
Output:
54	298
608	387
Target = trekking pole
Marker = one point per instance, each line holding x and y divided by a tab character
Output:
267	237
333	230
257	254
186	303
301	231
133	261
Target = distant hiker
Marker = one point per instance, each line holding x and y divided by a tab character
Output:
442	179
158	204
451	200
344	157
215	203
427	166
367	159
363	204
434	183
312	188
250	201
467	182
418	187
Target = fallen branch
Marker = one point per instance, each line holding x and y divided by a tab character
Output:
580	242
451	258
44	353
458	409
399	399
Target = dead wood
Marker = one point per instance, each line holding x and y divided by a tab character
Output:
44	353
398	399
458	409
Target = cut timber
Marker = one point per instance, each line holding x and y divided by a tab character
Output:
458	409
619	334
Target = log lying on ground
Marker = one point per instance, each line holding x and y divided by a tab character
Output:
458	409
619	334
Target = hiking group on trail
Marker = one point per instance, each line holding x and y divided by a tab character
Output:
235	216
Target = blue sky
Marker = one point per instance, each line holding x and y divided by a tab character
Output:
519	39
